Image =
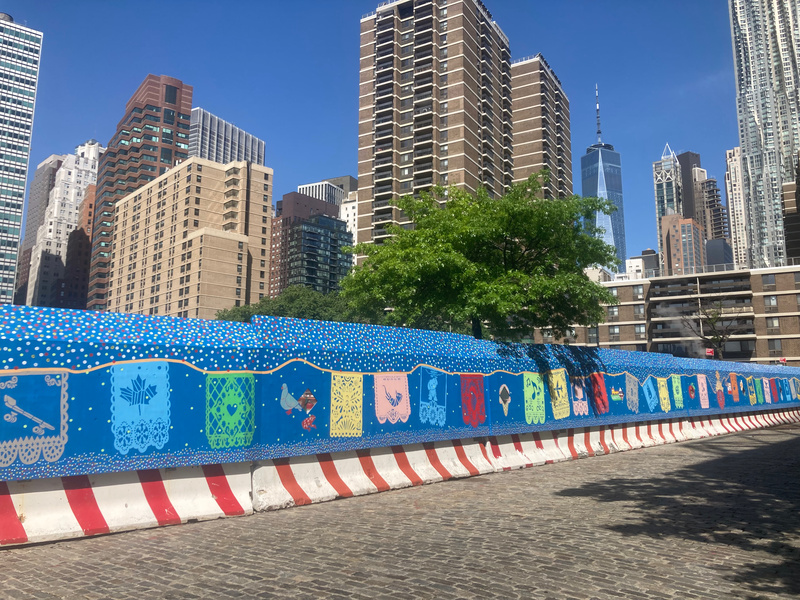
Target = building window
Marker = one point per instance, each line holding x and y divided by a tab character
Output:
638	292
768	282
773	324
613	333
774	347
640	332
770	304
613	313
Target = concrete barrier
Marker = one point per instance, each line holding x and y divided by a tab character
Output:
58	508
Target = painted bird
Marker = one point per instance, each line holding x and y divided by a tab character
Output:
288	401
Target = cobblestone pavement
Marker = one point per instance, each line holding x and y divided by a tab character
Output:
717	518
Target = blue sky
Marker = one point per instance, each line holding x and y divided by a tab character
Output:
288	73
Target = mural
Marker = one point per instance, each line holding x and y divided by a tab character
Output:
86	392
433	397
140	415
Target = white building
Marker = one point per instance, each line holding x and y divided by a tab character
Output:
324	190
737	211
48	255
348	212
19	72
215	139
766	52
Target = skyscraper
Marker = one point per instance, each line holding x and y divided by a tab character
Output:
601	177
684	245
434	105
38	197
152	137
688	162
667	184
215	139
766	51
541	132
49	250
737	211
19	71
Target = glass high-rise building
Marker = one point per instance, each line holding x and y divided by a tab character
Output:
766	51
601	177
19	76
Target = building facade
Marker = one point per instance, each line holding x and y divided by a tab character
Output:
44	178
324	190
689	161
541	127
683	245
151	138
308	242
194	241
791	221
601	177
709	210
667	185
434	105
61	217
70	290
19	77
737	213
761	310
766	51
217	140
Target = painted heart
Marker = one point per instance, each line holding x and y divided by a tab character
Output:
232	408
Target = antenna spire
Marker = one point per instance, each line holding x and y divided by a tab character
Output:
597	104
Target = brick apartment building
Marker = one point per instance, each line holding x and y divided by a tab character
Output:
763	306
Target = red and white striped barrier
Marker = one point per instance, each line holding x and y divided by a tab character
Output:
86	505
41	510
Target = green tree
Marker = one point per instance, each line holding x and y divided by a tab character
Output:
513	263
295	301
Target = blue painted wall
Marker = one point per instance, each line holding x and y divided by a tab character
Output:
87	392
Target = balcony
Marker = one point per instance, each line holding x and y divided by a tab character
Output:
383	189
382	218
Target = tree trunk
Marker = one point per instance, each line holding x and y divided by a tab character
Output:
477	330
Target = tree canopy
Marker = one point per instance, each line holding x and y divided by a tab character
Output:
512	263
295	301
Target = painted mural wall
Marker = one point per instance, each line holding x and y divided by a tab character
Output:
86	392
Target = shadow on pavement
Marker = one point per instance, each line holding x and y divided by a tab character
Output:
747	496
